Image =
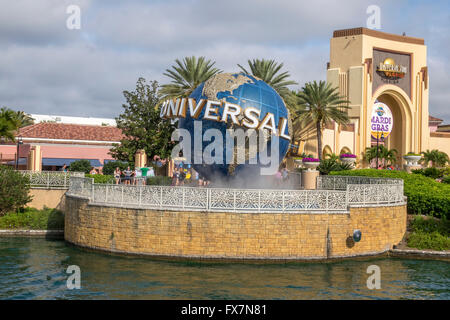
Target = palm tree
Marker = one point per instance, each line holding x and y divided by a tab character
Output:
11	121
8	124
332	156
269	72
387	156
436	157
322	105
187	75
23	119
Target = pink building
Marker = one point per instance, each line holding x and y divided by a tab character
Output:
63	143
433	123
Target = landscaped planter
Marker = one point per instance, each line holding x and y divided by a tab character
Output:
412	160
348	158
310	163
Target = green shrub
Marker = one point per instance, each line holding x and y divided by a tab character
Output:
445	171
328	165
81	166
99	178
31	218
424	240
332	164
420	224
432	172
446	179
425	195
14	190
159	181
108	168
429	233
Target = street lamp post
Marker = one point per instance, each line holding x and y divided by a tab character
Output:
19	142
382	138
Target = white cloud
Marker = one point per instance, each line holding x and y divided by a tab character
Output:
46	68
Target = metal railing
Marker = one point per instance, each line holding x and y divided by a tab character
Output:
341	182
365	190
235	200
50	179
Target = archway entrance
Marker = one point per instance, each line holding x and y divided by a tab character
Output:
398	139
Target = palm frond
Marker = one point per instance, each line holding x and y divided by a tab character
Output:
186	76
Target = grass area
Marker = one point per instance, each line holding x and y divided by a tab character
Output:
33	219
429	233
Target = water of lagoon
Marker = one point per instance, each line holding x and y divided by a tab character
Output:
36	269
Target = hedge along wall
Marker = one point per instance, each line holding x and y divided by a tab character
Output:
425	195
233	235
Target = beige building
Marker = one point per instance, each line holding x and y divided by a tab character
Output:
371	66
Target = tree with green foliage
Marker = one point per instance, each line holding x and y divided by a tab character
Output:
80	166
321	104
8	125
187	75
11	121
436	157
142	125
14	190
270	72
108	168
23	119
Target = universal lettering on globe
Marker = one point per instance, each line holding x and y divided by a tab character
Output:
228	108
177	108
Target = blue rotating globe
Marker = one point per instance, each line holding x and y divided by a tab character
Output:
246	91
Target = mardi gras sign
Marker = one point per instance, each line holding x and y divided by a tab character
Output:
381	121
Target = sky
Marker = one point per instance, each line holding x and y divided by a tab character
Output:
47	68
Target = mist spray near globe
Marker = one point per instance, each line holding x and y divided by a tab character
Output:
233	127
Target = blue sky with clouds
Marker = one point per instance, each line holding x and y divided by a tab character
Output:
47	68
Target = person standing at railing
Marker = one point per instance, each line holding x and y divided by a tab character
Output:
176	175
278	178
144	171
138	176
127	172
181	177
133	177
151	172
285	174
188	179
64	168
117	174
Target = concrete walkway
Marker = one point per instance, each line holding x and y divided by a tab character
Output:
56	234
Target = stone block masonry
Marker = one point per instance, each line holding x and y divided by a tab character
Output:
267	236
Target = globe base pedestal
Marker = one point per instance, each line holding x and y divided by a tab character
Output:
409	168
309	178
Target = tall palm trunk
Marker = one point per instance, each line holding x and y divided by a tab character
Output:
319	140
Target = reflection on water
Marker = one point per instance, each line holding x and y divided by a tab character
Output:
35	269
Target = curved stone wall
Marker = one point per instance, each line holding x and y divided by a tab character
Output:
233	235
